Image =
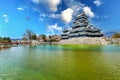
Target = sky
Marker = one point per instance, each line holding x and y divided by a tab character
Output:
52	16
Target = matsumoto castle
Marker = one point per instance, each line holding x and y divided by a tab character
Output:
81	28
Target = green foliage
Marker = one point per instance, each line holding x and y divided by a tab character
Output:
50	37
30	35
5	40
34	37
116	35
43	37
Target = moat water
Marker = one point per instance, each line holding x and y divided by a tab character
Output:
52	62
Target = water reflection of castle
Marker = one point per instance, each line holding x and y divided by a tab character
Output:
81	28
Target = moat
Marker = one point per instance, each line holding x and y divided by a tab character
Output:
52	62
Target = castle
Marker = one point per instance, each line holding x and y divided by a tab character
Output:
82	32
81	28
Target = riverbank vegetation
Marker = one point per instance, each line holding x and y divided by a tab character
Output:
5	40
116	35
30	35
42	38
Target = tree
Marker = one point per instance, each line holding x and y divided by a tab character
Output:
34	37
8	39
116	35
50	37
28	35
43	37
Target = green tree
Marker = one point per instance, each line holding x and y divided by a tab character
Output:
34	37
50	37
43	37
8	39
116	35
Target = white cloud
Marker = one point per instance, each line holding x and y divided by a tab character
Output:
55	16
42	15
53	28
6	18
77	8
74	8
97	2
53	4
74	5
66	15
88	11
5	15
20	9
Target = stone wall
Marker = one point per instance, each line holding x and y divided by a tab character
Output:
116	41
85	40
113	40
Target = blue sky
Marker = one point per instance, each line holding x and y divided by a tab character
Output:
51	16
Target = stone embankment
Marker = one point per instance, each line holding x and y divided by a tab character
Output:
85	40
113	40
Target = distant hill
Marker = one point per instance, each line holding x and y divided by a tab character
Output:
16	39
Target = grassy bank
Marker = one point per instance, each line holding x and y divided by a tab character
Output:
79	47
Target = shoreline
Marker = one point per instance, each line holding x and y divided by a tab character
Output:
74	42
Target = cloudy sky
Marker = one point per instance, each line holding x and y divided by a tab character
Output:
51	16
